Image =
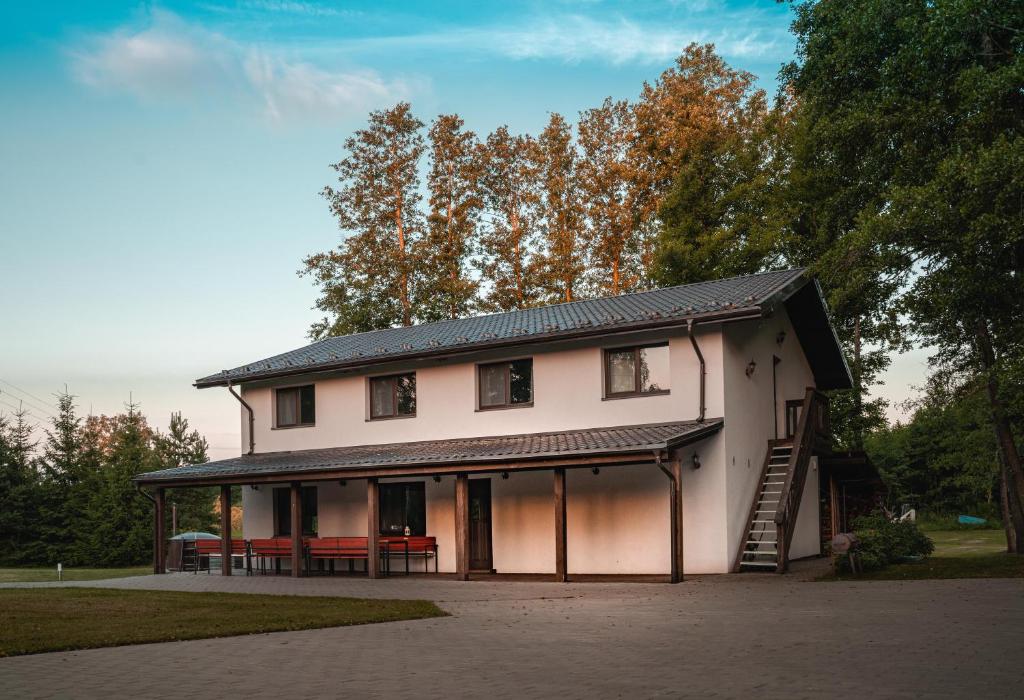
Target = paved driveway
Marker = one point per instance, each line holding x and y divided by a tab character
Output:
760	636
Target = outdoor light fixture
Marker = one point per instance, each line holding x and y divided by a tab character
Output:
781	337
696	461
254	487
504	475
437	479
750	368
342	483
596	471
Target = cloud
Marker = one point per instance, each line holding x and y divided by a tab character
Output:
168	58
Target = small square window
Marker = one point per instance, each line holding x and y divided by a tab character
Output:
636	371
393	396
296	406
506	384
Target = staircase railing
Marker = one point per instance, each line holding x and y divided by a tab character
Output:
811	431
753	506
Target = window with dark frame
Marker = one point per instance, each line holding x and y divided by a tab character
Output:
283	512
295	406
403	505
506	384
393	396
637	371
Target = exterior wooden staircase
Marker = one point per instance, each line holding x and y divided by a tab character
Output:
773	513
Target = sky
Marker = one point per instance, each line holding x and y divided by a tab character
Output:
162	163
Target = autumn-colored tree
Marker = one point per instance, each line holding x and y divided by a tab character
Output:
368	281
562	260
613	195
446	289
177	447
511	188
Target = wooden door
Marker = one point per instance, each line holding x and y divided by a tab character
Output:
480	558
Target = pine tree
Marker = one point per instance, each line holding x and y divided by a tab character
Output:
511	188
178	447
613	194
446	289
562	262
369	281
63	498
18	490
120	519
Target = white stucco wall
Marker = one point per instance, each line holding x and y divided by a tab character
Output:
567	395
807	535
750	415
618	520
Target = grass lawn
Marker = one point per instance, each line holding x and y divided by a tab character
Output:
57	619
958	554
74	574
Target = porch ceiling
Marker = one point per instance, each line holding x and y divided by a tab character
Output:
622	444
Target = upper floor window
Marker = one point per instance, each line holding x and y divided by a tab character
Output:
637	371
393	396
506	384
295	406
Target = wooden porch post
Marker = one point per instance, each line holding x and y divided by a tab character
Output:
372	528
225	530
676	468
462	527
296	528
159	554
561	563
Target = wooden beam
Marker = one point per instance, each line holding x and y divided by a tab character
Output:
296	528
462	527
676	469
225	530
159	546
372	528
561	562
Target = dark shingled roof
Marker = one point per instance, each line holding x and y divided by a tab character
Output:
753	294
503	449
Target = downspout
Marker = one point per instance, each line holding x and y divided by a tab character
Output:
252	418
700	358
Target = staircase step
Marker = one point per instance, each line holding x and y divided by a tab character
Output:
759	563
762	542
761	552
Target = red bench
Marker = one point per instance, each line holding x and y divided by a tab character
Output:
416	546
350	549
276	548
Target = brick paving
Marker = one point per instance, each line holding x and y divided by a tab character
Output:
761	636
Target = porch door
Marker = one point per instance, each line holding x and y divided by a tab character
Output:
480	558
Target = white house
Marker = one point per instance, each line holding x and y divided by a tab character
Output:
661	432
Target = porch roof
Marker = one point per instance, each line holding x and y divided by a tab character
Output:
621	444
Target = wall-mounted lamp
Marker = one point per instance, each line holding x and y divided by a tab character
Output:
437	479
781	337
504	475
696	461
596	471
254	487
751	366
342	483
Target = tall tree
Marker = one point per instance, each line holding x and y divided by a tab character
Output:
511	190
18	489
562	261
447	289
175	448
913	119
369	282
64	487
615	196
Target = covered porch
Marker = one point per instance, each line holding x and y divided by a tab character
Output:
586	504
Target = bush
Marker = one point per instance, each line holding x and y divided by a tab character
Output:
881	541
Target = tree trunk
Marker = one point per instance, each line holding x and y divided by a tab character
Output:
1011	533
1010	457
403	267
857	423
